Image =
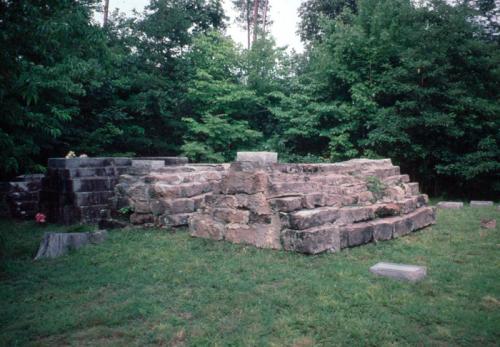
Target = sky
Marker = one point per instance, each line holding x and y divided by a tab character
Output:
283	13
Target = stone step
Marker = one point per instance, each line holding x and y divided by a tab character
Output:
312	240
175	206
179	178
306	219
184	190
331	179
84	184
92	198
176	220
396	179
386	228
90	214
382	173
354	214
88	162
108	171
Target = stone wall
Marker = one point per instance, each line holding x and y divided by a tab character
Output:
22	196
166	196
312	208
80	190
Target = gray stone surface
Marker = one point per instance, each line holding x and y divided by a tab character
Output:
450	204
54	245
477	203
150	164
259	157
412	273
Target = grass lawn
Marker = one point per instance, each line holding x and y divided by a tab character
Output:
152	287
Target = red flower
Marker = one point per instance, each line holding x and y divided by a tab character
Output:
40	218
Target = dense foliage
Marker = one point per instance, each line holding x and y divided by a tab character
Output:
416	82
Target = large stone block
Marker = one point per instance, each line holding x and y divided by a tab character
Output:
206	227
412	273
383	229
258	157
450	204
358	234
148	164
245	182
310	218
260	235
350	215
176	220
476	203
286	204
313	240
229	215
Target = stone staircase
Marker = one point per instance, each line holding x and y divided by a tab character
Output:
166	196
312	208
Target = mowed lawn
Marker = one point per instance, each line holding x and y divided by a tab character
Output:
152	287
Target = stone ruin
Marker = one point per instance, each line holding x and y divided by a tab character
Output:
312	208
167	196
307	208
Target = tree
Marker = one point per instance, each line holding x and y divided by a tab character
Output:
413	83
217	125
50	53
313	12
252	15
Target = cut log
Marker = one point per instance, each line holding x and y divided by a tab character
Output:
54	245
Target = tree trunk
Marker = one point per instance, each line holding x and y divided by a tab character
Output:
255	19
106	12
249	24
54	245
266	3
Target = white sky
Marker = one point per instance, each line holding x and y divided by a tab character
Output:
283	13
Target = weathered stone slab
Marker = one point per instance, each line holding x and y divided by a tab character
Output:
148	164
54	245
412	273
205	227
358	233
306	219
259	157
450	204
476	203
383	229
287	204
167	160
245	182
313	240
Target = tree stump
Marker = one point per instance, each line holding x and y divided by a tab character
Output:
54	245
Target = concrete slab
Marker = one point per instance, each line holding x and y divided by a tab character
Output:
259	157
412	273
450	204
477	203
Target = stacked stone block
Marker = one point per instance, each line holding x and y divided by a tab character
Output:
165	196
22	196
77	190
312	208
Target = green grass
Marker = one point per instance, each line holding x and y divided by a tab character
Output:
151	287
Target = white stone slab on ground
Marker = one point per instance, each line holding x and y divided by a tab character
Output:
477	203
450	204
405	272
259	157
